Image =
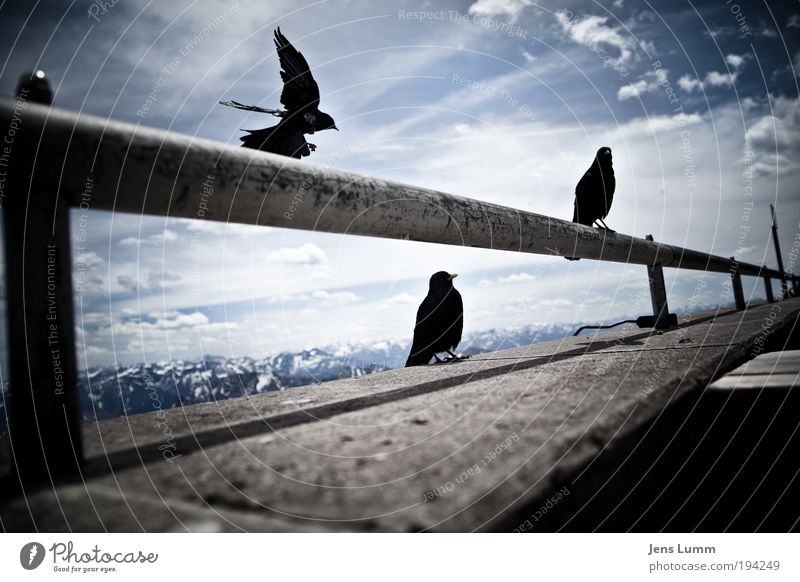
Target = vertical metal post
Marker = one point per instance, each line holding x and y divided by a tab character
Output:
768	288
738	292
658	289
784	282
44	428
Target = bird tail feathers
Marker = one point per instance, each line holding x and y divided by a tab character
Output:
419	358
272	139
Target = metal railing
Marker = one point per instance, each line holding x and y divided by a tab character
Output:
56	159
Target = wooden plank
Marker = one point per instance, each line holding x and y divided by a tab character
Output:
756	381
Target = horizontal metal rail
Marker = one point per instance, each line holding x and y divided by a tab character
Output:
109	165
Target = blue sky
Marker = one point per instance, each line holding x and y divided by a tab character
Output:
500	100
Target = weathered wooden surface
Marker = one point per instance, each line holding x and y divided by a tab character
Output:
147	171
773	370
476	445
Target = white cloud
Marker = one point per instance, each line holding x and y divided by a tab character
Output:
400	298
88	260
717	79
182	320
796	64
794	21
517	278
592	31
648	83
633	90
713	78
317	296
736	61
510	8
655	124
335	297
689	84
306	254
161	237
775	137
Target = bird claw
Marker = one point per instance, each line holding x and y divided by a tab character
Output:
312	147
449	359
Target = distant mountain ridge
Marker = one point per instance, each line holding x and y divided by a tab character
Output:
110	391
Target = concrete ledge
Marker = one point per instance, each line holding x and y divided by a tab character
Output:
476	445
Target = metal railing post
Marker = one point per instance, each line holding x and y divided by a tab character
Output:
778	255
736	280
44	428
658	289
768	288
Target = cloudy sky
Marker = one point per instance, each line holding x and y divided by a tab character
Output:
500	100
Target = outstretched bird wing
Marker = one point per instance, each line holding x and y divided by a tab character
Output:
300	90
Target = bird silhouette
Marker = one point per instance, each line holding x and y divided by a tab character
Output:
300	97
440	320
594	192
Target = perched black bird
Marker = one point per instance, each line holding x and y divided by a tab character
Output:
300	97
595	191
440	319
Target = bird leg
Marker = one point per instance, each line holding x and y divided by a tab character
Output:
438	360
605	226
456	357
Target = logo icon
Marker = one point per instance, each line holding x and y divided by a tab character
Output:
31	555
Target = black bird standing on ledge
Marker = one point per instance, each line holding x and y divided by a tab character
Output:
300	96
594	192
440	319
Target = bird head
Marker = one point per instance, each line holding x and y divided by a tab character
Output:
324	121
604	155
442	279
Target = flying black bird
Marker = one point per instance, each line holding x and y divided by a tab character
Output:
301	115
440	319
594	192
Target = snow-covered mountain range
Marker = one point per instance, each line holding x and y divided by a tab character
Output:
112	391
